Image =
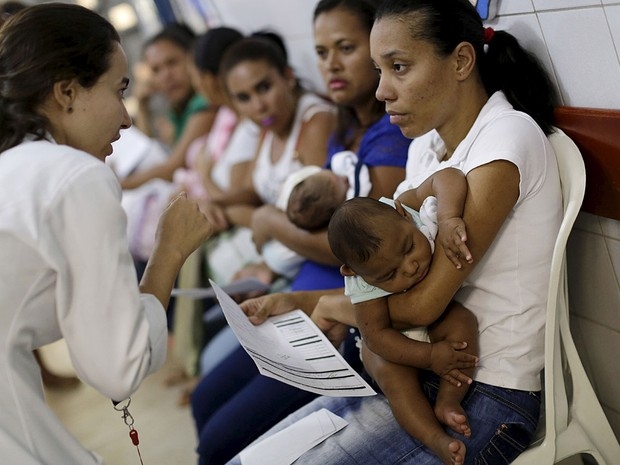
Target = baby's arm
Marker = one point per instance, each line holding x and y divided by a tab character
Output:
449	186
390	344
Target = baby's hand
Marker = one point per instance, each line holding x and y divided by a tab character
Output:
453	237
447	360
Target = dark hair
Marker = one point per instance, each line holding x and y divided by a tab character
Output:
8	9
352	231
310	206
365	11
40	46
274	37
254	49
179	34
505	65
209	48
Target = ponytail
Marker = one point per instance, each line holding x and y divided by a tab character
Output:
508	67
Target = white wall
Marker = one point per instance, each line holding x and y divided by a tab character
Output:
579	43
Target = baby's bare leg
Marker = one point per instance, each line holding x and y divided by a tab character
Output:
411	408
456	324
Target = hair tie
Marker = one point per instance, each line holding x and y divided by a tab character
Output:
488	34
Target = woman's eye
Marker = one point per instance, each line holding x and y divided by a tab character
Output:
242	98
263	87
322	54
347	48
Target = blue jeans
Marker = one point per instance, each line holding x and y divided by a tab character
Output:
502	421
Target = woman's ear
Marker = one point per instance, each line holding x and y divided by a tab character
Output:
465	60
64	93
346	271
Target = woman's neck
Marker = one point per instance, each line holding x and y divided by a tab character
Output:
466	111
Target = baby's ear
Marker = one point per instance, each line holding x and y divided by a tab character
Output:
346	271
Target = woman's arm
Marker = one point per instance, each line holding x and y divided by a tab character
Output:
270	223
493	190
197	125
312	142
385	180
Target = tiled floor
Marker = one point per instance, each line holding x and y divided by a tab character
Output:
166	431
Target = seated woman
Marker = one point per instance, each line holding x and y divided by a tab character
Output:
165	58
234	390
295	127
513	210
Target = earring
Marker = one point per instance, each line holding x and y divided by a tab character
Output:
70	110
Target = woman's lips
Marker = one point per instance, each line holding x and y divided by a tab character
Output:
337	84
267	121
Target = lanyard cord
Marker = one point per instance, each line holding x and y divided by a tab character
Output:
123	406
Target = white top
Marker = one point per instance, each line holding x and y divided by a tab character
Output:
507	290
241	148
268	176
345	164
357	288
66	272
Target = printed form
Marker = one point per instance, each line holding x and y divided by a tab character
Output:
292	349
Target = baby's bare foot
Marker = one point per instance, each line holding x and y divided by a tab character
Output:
451	451
453	416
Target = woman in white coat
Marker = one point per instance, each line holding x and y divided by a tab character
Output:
66	270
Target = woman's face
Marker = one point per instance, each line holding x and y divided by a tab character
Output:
99	112
343	49
168	64
205	83
260	92
416	84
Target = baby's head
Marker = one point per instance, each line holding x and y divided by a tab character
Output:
314	199
379	243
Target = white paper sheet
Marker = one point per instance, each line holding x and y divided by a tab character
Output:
241	286
287	445
292	349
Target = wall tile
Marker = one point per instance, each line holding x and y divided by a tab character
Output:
601	343
610	2
250	16
610	228
541	5
613	19
588	222
613	245
593	286
512	7
583	56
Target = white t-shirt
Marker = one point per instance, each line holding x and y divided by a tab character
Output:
507	290
268	176
66	272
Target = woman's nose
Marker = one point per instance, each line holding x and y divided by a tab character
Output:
384	92
333	61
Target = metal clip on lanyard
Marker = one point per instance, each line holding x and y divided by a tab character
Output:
123	406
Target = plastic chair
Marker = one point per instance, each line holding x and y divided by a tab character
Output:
573	421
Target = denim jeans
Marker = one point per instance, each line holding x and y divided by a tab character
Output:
502	421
